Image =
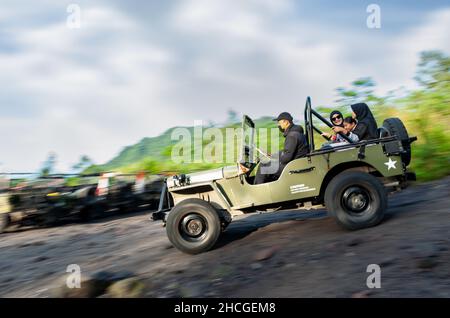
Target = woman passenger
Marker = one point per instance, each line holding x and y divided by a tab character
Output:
337	119
366	127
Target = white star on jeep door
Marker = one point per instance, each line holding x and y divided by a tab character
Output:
391	164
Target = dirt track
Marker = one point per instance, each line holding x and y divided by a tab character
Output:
283	254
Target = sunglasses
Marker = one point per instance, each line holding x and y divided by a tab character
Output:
336	118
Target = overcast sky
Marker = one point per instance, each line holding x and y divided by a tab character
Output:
135	68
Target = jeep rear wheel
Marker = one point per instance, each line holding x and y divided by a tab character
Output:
193	226
4	221
356	200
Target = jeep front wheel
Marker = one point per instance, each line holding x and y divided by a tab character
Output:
356	200
193	226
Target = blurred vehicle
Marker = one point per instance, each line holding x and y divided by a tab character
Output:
350	179
121	193
46	201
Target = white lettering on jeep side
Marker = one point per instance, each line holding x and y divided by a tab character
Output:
298	188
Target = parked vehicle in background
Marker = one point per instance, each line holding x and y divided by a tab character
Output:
47	201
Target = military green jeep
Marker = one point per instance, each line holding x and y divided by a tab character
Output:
350	179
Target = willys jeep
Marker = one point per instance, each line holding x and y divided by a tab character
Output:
350	179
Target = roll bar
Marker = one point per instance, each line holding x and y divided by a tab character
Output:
310	128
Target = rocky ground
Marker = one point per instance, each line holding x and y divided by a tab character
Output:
282	254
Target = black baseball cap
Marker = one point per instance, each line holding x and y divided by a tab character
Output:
284	115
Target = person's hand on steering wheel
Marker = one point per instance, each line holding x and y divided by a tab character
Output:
242	169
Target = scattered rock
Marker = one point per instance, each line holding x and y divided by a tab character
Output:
127	288
362	294
40	259
35	243
349	254
280	263
332	245
211	294
7	280
112	277
168	246
46	274
265	254
354	242
172	290
427	263
427	251
193	290
441	246
315	257
90	286
388	261
172	287
256	266
222	271
280	226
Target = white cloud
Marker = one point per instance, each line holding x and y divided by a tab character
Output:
402	54
96	89
81	107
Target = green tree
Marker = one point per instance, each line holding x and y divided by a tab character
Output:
434	70
427	114
233	116
83	163
49	165
361	90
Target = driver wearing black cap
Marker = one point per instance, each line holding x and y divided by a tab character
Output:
295	146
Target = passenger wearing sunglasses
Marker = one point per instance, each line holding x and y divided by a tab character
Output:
366	127
337	119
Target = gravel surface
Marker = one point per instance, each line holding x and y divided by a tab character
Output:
280	254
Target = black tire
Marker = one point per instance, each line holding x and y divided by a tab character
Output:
193	226
396	128
356	200
4	221
50	218
91	212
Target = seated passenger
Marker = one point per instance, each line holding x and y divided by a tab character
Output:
349	125
366	127
337	119
295	146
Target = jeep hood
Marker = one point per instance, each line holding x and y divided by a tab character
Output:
202	177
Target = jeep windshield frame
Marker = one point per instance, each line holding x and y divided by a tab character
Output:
247	141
